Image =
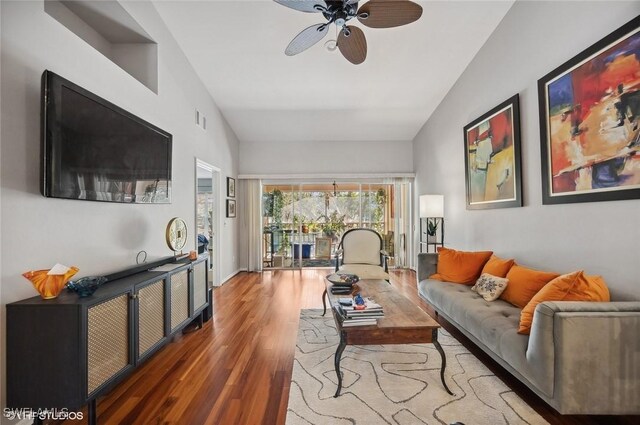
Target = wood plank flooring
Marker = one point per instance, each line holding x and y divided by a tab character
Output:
237	368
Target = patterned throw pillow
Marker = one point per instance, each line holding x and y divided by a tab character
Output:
489	286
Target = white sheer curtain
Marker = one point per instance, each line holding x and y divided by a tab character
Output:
253	225
402	223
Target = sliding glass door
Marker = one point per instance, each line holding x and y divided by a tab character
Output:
303	222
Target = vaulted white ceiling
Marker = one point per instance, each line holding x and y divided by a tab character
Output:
237	49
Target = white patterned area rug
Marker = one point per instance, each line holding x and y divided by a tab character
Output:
395	384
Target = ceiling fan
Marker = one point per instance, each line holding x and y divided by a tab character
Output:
351	40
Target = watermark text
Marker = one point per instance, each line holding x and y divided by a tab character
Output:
42	414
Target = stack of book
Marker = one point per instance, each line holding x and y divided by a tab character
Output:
354	316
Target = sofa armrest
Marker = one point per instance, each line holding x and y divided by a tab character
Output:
427	265
554	307
592	351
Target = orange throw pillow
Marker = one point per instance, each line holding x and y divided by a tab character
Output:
589	288
497	266
460	266
574	286
524	283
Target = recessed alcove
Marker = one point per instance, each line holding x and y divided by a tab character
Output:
111	30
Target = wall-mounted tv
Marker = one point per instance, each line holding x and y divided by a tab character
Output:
94	150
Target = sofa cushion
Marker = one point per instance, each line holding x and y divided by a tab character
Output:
574	286
490	287
497	266
460	266
524	283
589	288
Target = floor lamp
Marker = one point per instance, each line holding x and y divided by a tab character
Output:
431	210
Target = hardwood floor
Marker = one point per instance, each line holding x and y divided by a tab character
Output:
237	368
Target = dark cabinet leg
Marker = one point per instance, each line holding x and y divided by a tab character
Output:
444	360
324	301
91	412
338	356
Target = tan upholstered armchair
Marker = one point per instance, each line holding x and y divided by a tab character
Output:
360	252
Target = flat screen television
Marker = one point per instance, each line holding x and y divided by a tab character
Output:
94	150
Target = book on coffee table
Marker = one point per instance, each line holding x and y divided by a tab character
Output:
359	318
371	310
359	322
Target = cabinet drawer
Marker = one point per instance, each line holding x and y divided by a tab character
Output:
179	287
199	285
151	316
108	340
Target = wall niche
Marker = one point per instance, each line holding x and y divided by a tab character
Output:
112	31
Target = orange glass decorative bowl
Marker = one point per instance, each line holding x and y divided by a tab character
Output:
49	286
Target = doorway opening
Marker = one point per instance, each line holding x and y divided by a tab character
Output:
207	220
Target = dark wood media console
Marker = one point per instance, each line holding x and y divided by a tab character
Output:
66	352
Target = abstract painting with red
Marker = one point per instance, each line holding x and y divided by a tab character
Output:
592	119
493	158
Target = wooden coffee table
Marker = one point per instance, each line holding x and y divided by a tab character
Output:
403	323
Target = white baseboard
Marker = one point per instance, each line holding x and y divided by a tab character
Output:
231	275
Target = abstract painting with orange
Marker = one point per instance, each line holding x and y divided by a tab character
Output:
492	158
592	113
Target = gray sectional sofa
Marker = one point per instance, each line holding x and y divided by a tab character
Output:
581	357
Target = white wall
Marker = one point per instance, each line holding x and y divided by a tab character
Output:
532	40
97	237
325	157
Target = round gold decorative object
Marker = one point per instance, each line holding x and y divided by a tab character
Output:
176	234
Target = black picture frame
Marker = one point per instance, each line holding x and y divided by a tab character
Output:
511	158
231	187
231	208
601	164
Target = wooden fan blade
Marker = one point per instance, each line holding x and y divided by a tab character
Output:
307	38
389	13
308	6
354	46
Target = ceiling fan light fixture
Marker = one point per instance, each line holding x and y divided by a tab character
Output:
351	40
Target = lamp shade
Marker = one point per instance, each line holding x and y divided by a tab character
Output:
431	206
